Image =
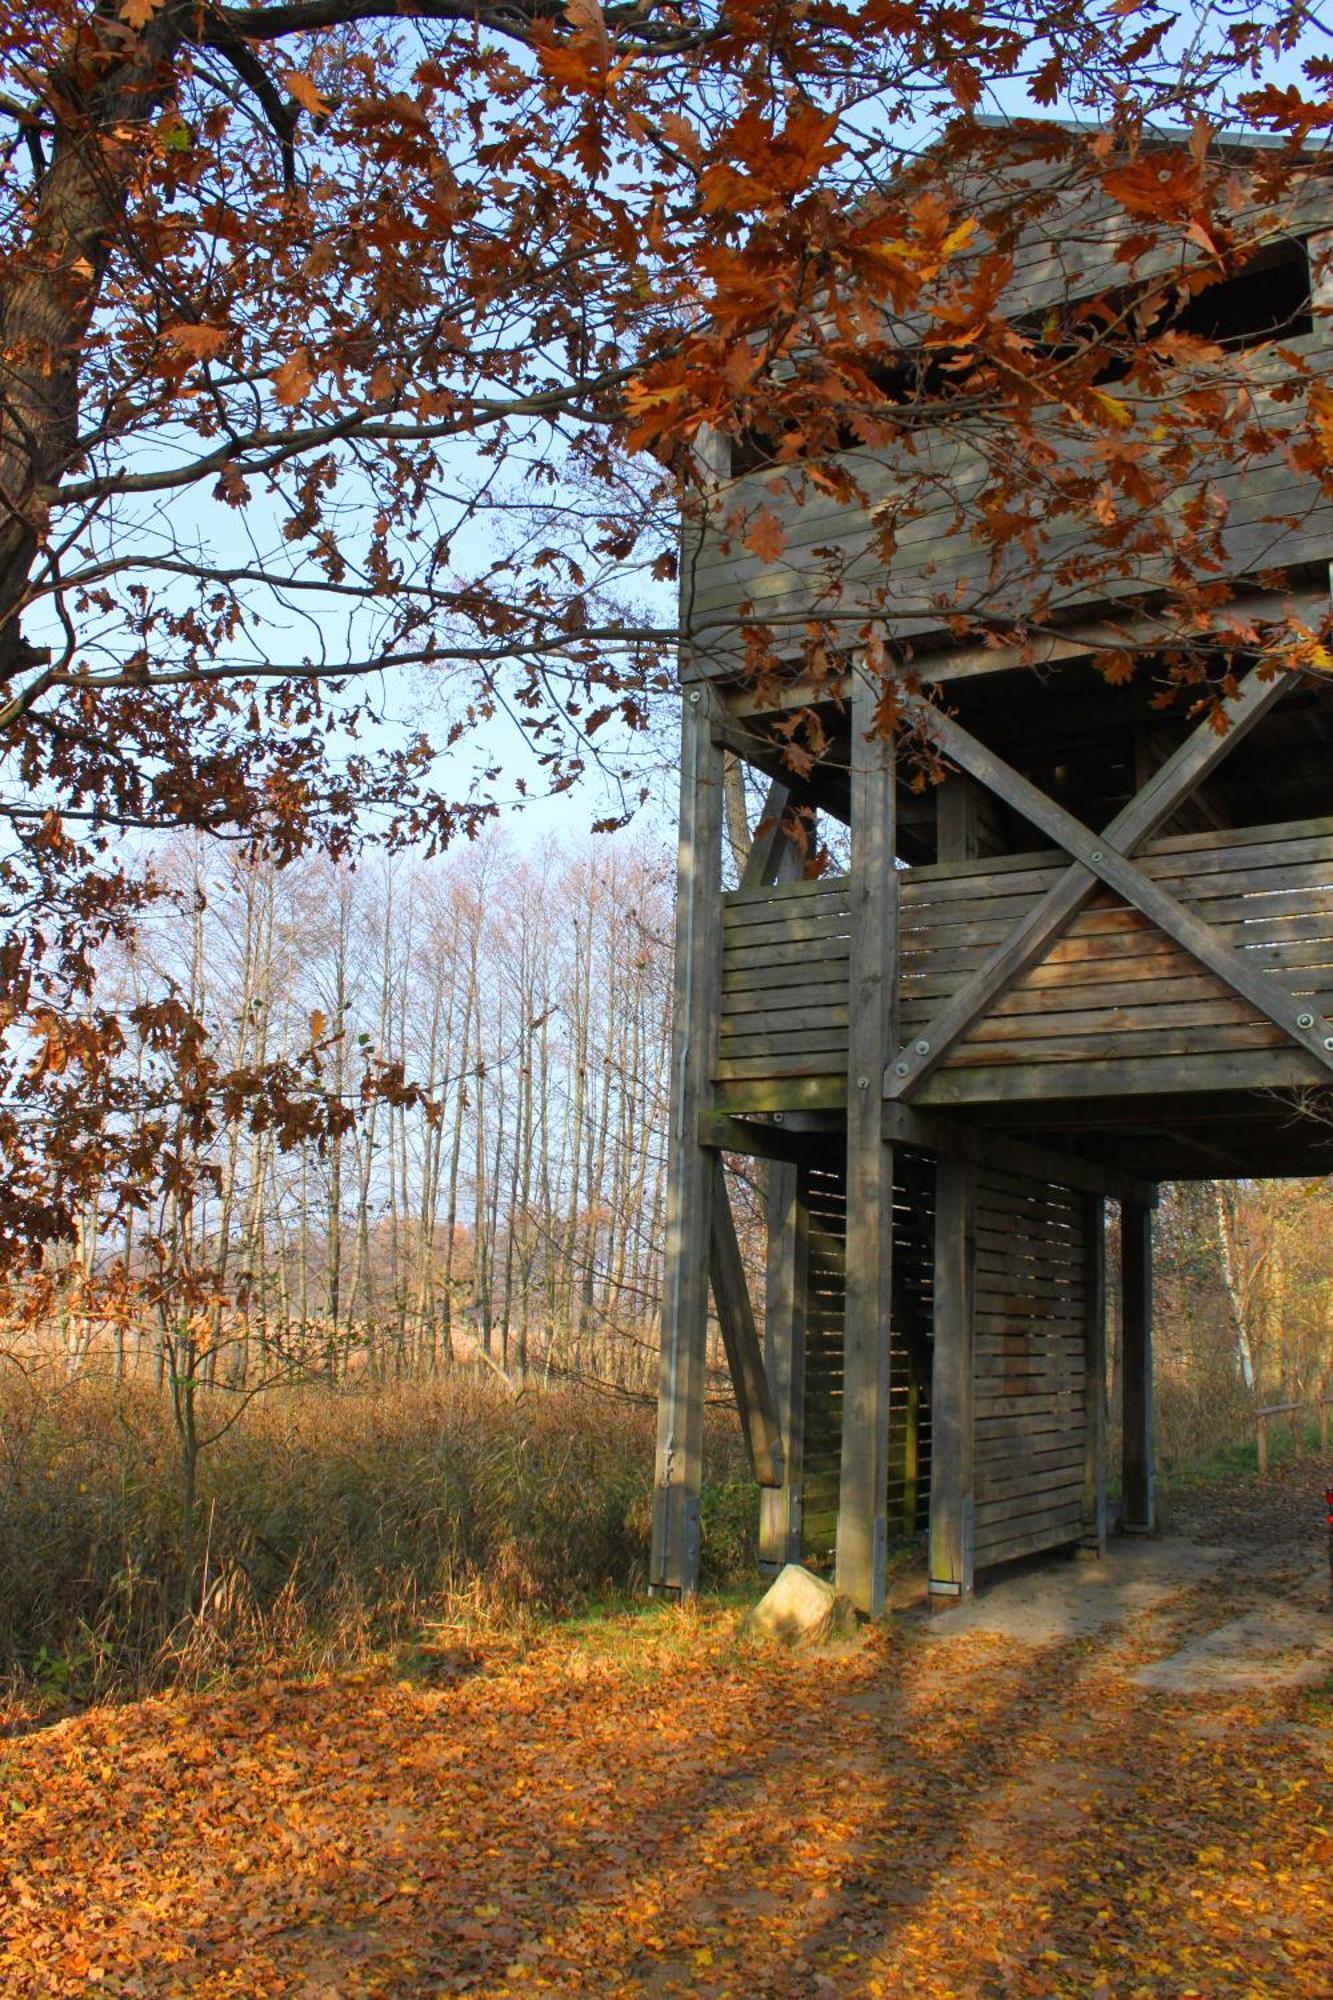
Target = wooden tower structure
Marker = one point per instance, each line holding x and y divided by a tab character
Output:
1096	956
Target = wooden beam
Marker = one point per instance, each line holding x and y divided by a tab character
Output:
674	1560
786	1137
1092	1536
935	1132
1139	1510
771	856
782	1094
1101	858
952	1525
1029	941
780	1510
735	1317
872	1000
1035	1086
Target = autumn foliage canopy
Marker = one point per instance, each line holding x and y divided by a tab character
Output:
344	339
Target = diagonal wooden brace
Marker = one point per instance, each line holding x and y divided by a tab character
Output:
772	856
745	1359
1146	812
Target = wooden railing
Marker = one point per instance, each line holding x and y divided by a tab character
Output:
784	982
1114	989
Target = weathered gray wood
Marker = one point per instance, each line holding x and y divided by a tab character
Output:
1139	1513
1092	1538
872	993
678	1476
780	1510
796	1093
1017	1083
908	1125
742	1069
758	1138
771	854
1099	854
1200	753
952	1520
735	1316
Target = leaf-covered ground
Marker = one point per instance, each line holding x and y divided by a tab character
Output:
650	1807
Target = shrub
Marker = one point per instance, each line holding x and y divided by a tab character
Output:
328	1521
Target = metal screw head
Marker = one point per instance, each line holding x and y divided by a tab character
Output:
863	1083
900	1069
922	1048
693	697
779	1117
1097	854
1328	1041
1305	1020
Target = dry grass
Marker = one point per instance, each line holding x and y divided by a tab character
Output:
328	1525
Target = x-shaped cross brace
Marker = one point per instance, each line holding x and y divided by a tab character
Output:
1105	858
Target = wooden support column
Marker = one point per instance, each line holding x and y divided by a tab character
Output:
780	1510
872	998
952	1378
1092	1535
674	1563
1139	1511
735	1318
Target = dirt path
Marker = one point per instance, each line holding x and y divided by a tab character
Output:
1009	1801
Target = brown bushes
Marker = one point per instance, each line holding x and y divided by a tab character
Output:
328	1522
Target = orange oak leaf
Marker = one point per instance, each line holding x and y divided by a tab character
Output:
767	537
292	381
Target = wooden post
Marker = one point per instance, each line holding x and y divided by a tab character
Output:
735	1318
872	999
1139	1511
784	1357
951	1391
1092	1536
674	1563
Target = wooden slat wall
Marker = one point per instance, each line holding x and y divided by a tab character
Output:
1030	1304
784	981
909	1350
931	567
910	1342
1114	986
826	1193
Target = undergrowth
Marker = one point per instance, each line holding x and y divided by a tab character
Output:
330	1524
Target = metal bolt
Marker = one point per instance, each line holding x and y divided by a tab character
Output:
1328	1041
693	697
1305	1020
1097	854
863	1083
922	1048
779	1117
900	1069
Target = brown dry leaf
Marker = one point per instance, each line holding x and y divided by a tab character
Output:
198	341
292	381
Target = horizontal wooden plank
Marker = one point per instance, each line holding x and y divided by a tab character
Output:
825	958
823	1093
775	1017
1146	1076
1146	1045
739	900
1032	1507
822	1042
1205	1018
791	930
1061	1529
788	984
